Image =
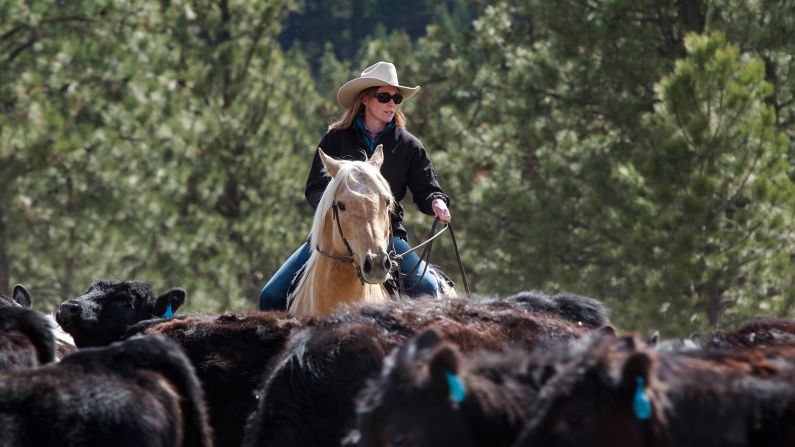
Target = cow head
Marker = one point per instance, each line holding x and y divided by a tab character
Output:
102	314
599	396
417	400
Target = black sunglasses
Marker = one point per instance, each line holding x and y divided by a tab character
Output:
384	97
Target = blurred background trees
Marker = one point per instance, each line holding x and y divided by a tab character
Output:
636	152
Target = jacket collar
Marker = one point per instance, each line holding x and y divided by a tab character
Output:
371	144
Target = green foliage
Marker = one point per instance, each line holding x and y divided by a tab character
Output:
346	24
729	199
637	152
163	142
570	170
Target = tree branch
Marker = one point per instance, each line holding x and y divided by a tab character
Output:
19	49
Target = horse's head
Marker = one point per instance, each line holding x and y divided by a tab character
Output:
357	204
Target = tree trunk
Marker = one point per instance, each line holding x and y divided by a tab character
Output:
714	304
691	16
772	77
67	280
5	274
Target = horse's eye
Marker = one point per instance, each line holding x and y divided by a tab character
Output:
340	206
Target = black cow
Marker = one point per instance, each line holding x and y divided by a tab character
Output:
230	353
104	312
760	333
580	309
615	391
309	398
430	395
21	298
26	338
141	392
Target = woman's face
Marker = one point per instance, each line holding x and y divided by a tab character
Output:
378	111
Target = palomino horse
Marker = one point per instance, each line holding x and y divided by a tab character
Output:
350	237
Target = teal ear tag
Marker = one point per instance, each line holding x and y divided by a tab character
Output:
457	388
640	402
169	313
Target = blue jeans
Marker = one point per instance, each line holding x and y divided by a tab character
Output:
274	294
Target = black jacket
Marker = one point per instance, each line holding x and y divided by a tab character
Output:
406	164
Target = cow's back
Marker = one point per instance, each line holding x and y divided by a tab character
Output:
329	363
26	338
140	392
231	354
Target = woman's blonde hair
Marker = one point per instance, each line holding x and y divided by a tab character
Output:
357	108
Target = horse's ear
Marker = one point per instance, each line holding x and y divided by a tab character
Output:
378	156
332	165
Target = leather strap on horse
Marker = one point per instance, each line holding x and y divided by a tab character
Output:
335	216
426	256
458	258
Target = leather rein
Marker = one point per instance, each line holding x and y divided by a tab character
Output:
395	258
336	217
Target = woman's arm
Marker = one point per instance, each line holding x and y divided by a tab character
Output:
425	187
317	180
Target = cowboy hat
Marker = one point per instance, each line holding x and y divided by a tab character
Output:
381	73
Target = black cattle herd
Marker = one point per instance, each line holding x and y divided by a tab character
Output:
523	370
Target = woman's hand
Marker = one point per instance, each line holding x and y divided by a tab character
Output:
440	210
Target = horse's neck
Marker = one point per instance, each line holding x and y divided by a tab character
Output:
336	284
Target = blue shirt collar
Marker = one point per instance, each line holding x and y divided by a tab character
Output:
371	144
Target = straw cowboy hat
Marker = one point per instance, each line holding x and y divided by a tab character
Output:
381	73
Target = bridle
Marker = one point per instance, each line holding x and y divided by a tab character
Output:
426	257
394	257
336	217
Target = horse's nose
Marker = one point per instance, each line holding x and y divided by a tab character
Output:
375	267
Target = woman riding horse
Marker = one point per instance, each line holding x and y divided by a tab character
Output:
372	116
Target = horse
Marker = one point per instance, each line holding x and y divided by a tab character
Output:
350	238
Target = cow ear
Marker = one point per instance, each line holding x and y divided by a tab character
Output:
418	347
332	166
443	370
635	383
638	364
444	360
378	156
170	300
22	296
608	330
427	340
